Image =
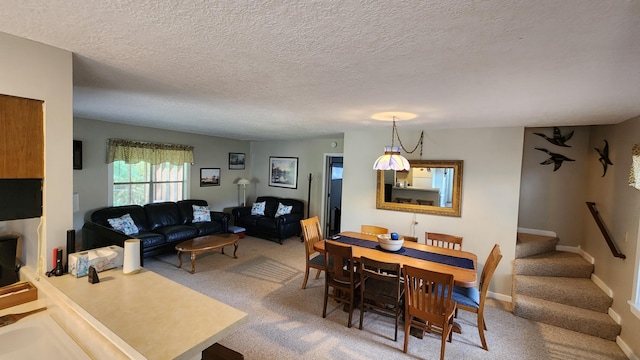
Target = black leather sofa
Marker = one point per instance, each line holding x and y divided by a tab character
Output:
161	225
268	226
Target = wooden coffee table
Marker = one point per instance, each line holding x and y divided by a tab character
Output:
205	244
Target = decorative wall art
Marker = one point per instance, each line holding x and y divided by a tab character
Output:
283	172
557	139
236	161
555	159
209	177
604	157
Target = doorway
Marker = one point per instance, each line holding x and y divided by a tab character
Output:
332	194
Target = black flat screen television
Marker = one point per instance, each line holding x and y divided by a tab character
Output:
20	199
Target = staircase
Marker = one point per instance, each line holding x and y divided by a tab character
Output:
554	287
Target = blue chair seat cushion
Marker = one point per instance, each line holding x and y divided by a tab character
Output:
319	260
466	296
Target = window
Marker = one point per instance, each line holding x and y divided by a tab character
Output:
143	183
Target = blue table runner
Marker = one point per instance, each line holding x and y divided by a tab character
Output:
414	253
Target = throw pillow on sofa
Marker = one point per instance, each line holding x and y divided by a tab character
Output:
283	209
201	213
258	208
124	223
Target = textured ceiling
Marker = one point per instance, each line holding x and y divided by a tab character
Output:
295	69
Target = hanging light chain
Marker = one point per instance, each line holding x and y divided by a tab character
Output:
394	133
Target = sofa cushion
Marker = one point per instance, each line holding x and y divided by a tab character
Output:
162	214
150	239
208	228
271	205
267	223
258	208
124	223
175	233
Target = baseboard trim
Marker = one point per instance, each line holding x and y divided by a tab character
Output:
537	232
577	250
614	315
498	296
607	290
626	349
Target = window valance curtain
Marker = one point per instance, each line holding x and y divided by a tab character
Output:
634	174
132	152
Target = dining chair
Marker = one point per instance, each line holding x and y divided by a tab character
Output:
312	233
403	200
373	230
424	202
341	275
381	289
443	240
428	303
472	299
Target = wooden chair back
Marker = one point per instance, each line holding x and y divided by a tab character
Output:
443	240
428	298
373	230
381	289
425	202
468	297
312	233
340	275
410	238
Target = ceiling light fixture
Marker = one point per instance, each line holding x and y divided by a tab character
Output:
392	160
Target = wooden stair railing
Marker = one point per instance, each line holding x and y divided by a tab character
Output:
603	230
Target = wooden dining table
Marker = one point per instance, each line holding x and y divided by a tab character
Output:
461	276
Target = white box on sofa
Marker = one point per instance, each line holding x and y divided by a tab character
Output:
103	258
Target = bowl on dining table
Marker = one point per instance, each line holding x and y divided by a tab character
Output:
385	242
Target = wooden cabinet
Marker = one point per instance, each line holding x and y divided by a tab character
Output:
21	138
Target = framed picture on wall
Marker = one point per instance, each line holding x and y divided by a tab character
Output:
236	161
209	176
283	172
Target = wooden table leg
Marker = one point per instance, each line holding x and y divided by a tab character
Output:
193	262
235	248
180	258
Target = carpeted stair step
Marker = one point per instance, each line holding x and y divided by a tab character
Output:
565	316
578	292
554	263
530	244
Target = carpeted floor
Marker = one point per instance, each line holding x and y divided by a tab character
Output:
286	322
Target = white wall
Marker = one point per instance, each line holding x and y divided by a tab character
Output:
555	200
310	154
33	70
618	205
490	189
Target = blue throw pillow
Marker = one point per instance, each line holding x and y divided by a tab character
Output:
283	209
124	223
258	208
201	213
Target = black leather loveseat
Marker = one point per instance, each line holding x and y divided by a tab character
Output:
269	226
160	225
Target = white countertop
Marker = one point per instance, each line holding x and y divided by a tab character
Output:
149	316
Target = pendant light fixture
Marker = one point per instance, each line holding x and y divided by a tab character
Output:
392	159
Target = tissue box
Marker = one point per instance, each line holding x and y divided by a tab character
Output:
103	258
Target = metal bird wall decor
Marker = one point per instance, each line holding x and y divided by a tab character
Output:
555	159
604	157
558	138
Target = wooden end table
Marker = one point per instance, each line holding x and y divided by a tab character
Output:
205	244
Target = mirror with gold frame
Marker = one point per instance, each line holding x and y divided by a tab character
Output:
429	187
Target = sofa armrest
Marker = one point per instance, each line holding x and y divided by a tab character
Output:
95	236
223	218
240	212
289	218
